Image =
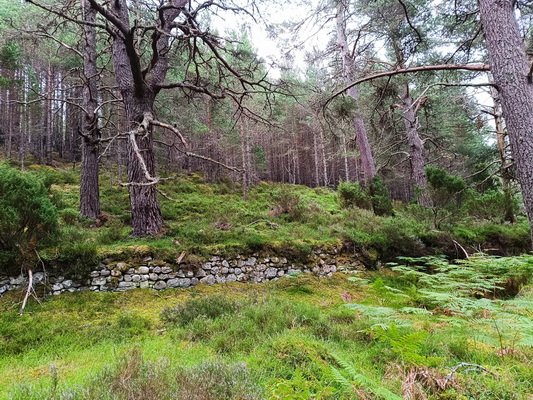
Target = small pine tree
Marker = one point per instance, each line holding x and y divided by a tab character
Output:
28	219
380	198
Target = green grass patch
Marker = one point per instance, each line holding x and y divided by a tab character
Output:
367	334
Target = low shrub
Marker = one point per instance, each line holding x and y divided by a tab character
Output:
28	219
351	194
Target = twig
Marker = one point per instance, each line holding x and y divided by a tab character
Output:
457	367
180	258
28	291
271	224
462	248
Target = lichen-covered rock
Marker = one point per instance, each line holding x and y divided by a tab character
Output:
94	282
144	270
209	280
159	285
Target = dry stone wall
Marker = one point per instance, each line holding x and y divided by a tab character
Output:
158	275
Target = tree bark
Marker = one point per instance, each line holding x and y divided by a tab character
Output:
139	87
501	135
510	68
416	147
361	136
89	185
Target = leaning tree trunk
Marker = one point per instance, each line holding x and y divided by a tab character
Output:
348	65
89	186
510	68
416	148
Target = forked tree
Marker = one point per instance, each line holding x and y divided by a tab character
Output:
145	36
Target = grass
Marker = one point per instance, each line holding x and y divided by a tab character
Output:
364	335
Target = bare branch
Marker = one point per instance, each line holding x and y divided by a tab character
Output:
441	67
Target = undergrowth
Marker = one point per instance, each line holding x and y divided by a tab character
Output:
426	329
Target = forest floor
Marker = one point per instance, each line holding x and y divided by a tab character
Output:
429	330
421	328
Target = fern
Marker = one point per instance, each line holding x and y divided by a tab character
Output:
406	345
348	377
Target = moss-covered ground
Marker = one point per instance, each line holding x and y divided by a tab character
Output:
373	335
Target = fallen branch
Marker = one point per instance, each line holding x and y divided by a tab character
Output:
472	366
180	258
28	291
462	248
271	224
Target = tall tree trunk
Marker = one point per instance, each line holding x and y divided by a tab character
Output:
49	114
501	136
510	68
348	62
245	153
89	185
416	147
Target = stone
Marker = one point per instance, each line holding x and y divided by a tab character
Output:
39	277
157	270
144	278
261	267
200	273
97	282
166	270
220	279
207	266
144	270
181	274
209	280
106	261
195	281
127	278
116	272
56	287
126	285
159	285
179	283
136	278
283	260
231	278
215	270
271	273
281	272
94	274
105	272
241	278
3	289
121	266
67	283
163	277
56	293
251	261
214	259
224	270
146	259
144	284
225	264
189	274
237	271
275	259
154	276
232	270
131	271
172	275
